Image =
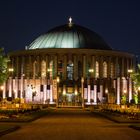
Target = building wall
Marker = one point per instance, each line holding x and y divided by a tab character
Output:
37	71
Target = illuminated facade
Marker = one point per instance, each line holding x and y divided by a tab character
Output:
69	65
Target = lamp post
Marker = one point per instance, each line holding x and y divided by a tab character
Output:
76	93
130	71
82	89
88	84
10	70
49	82
64	95
22	86
106	92
57	101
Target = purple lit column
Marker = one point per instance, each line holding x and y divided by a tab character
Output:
118	90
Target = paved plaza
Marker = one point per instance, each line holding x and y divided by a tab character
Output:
73	124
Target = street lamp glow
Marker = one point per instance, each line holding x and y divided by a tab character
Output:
76	92
2	87
106	91
57	79
91	70
14	91
82	80
10	69
124	91
130	70
49	70
64	92
43	74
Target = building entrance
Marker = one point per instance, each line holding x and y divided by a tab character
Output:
69	100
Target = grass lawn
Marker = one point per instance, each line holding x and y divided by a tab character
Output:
25	117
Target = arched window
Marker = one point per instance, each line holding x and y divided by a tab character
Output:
112	70
104	69
80	69
34	69
96	69
60	68
51	69
70	70
118	70
87	69
43	69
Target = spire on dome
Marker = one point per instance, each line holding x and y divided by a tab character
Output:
70	20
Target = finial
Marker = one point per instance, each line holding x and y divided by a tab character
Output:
70	20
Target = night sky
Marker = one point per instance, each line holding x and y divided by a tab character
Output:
117	21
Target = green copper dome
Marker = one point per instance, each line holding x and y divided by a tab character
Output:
69	36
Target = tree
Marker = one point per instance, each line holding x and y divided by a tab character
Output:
3	66
136	77
136	81
123	99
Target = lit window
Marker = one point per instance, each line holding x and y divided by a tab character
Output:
118	70
43	69
112	70
34	69
60	68
104	69
97	69
80	69
51	69
70	71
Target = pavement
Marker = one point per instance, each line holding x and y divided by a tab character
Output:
73	124
9	130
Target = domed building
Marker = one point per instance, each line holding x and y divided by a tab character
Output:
70	65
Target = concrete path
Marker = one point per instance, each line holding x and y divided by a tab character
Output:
66	124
